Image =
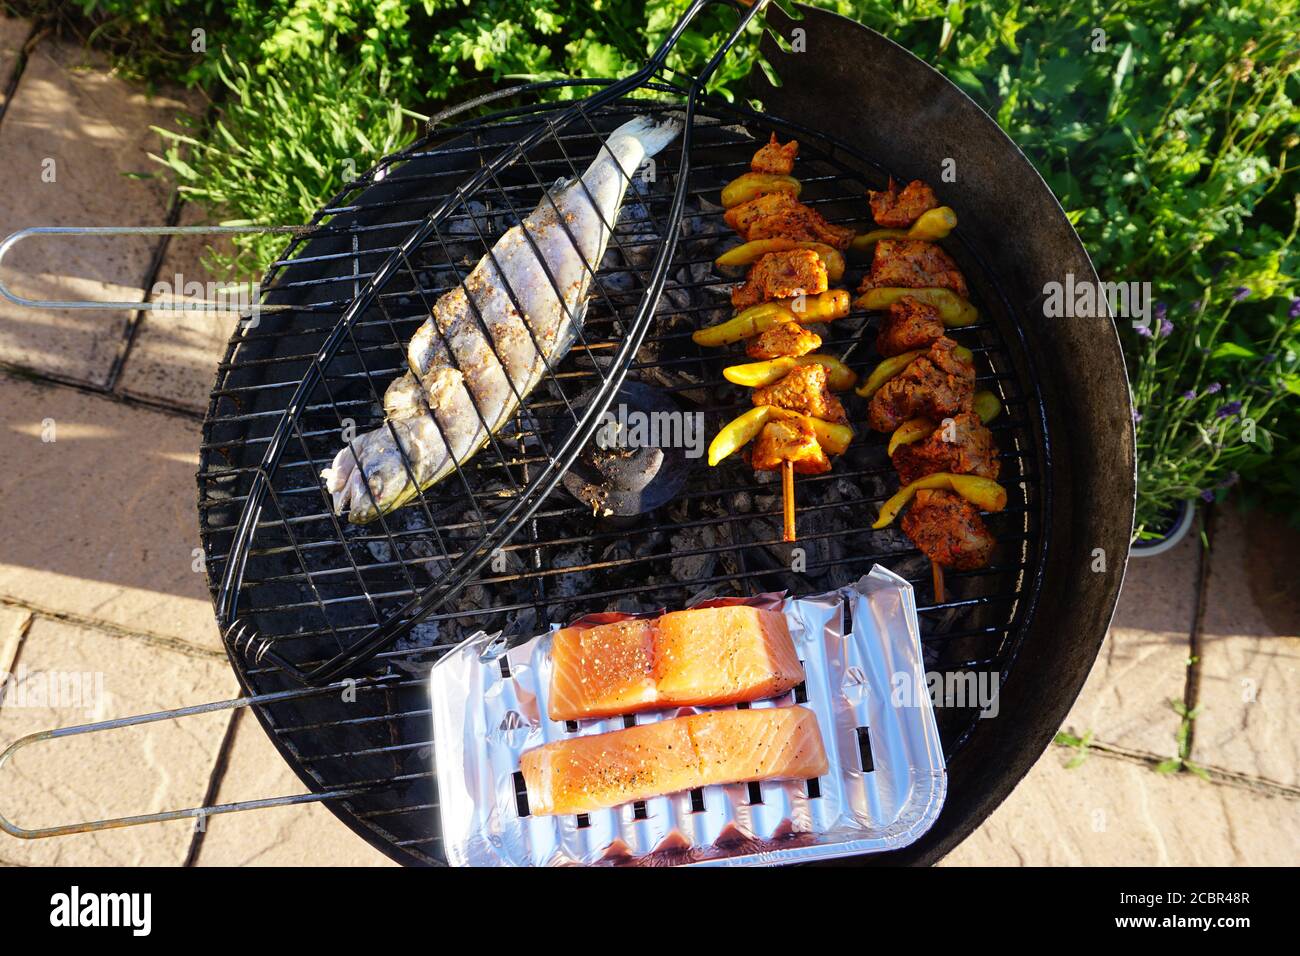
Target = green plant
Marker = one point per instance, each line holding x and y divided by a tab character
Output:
1080	745
1182	762
284	143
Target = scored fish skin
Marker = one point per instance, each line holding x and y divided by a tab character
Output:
482	350
582	774
699	657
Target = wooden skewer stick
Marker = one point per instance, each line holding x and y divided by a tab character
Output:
787	496
936	573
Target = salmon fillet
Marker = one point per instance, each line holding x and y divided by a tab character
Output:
582	774
706	657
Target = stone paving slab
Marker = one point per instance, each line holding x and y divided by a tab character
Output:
1250	651
101	522
1113	812
68	675
1143	662
71	118
175	355
306	835
14	623
13	34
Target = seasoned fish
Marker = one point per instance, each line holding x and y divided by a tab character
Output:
581	774
701	657
476	357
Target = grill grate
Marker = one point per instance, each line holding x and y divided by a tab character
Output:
312	584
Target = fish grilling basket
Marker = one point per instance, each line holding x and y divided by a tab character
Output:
508	540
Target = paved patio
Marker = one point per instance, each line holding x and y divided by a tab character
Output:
98	570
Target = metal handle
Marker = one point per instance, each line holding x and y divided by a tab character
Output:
202	305
90	826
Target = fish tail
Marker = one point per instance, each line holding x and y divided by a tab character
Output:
653	136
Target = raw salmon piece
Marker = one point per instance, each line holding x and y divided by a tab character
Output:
706	657
582	774
602	670
724	655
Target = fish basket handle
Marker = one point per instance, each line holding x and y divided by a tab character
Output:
200	813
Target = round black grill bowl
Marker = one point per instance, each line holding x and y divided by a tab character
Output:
1038	619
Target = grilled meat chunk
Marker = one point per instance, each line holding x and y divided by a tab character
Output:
897	209
936	385
774	158
910	324
961	445
791	440
913	264
948	530
781	216
787	339
803	389
780	275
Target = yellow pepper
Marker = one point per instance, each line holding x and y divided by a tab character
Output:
839	377
984	493
930	225
986	406
738	433
752	251
741	430
752	185
824	307
953	309
912	430
886	370
895	364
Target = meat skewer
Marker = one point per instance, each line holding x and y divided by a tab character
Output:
793	255
924	390
787	500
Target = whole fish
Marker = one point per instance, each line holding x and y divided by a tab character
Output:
460	388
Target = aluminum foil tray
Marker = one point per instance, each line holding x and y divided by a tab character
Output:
861	650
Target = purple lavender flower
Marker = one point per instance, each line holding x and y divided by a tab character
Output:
1242	293
1161	310
1207	495
1214	388
1189	395
1294	311
1196	306
1232	408
1166	327
1144	331
1137	416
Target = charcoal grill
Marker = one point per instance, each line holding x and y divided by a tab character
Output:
311	591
